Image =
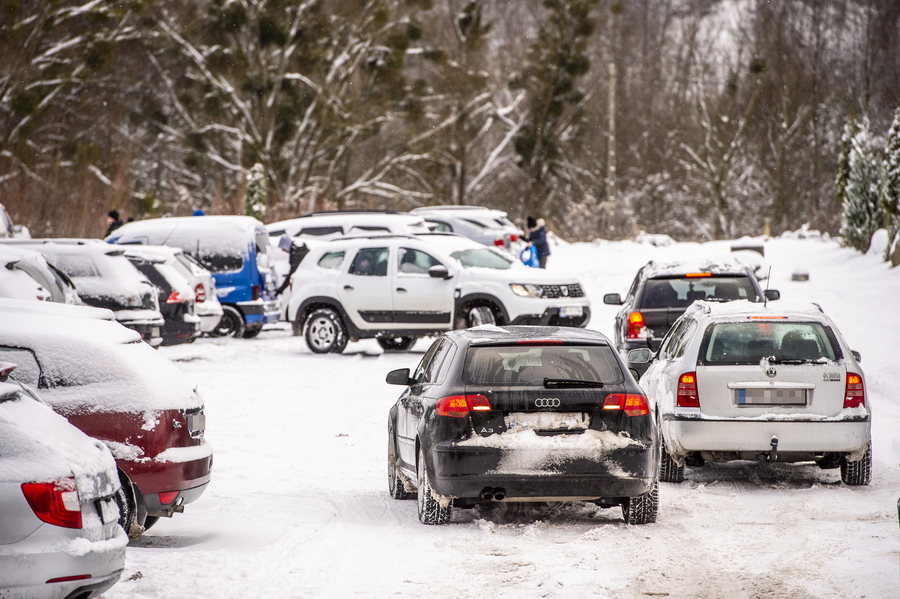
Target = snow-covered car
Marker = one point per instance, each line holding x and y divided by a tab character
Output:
661	292
54	281
753	381
235	249
104	278
398	288
106	382
484	225
522	414
174	292
200	281
16	283
59	530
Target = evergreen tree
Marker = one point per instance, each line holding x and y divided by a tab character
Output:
862	210
890	182
843	174
256	199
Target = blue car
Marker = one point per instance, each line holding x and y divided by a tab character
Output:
235	249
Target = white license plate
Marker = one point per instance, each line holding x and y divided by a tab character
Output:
770	397
548	421
571	311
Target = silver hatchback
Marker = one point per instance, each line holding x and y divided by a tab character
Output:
748	381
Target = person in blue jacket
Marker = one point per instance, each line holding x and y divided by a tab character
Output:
537	235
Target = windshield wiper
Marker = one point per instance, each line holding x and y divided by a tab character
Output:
549	383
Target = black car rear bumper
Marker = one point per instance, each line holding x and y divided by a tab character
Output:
465	472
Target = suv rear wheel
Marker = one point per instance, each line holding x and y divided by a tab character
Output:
232	323
669	471
325	332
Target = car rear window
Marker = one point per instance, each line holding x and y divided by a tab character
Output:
750	342
682	292
530	365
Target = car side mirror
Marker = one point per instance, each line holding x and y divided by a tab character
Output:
856	355
641	355
613	299
398	377
772	294
439	271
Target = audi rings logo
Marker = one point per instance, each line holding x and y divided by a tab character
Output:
546	402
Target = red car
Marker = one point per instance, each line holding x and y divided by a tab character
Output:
100	376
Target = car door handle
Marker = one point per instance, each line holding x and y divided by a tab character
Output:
401	289
348	287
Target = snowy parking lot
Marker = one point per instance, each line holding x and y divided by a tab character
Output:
298	504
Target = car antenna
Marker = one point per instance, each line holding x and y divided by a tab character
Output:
766	292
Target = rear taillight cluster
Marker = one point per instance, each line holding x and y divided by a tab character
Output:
687	396
499	242
632	404
254	292
636	326
176	298
55	502
200	293
459	406
854	394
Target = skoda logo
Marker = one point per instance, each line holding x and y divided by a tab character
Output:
770	372
546	402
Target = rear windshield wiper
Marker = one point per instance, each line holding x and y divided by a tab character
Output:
550	383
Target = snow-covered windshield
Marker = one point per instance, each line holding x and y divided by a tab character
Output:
493	365
750	342
481	258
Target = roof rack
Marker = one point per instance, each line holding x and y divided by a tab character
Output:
339	212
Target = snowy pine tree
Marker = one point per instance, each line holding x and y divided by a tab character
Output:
256	199
890	182
843	174
862	210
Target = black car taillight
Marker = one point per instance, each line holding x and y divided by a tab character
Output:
633	404
459	406
635	325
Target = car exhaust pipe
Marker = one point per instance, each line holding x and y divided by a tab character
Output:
493	494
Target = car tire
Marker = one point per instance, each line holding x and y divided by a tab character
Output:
859	472
396	484
252	331
127	504
231	324
642	509
669	471
324	332
430	509
396	343
479	315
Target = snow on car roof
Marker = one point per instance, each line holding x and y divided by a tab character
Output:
745	309
39	445
487	334
193	234
54	309
719	265
95	365
448	209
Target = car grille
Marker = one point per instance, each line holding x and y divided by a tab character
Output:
554	291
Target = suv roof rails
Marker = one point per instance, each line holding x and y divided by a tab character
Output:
360	211
374	236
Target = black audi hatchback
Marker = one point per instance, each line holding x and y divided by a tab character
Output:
522	414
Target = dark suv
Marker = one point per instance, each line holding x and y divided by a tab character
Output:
661	292
522	414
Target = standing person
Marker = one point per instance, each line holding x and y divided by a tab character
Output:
113	221
296	254
537	235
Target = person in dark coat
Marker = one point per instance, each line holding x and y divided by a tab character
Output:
536	233
113	221
296	254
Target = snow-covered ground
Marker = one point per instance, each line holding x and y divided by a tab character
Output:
298	504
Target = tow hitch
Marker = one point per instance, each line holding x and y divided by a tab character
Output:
772	455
